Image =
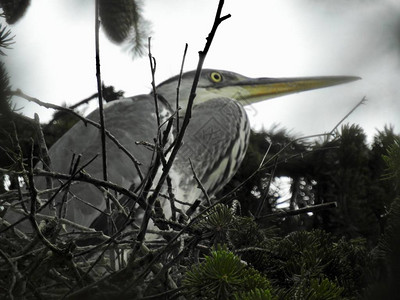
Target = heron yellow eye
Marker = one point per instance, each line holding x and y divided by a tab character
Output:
216	77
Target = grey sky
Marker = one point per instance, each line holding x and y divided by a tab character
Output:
53	58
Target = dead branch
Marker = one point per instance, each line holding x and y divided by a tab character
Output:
308	209
44	153
199	184
178	89
362	101
202	55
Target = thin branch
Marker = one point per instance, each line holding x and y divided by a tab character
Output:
186	120
158	156
191	210
84	101
178	88
265	164
102	119
362	101
44	153
171	195
74	225
32	215
100	93
15	274
161	252
117	276
172	262
171	199
304	210
119	207
21	94
199	184
247	249
262	203
79	176
153	65
72	169
174	293
265	155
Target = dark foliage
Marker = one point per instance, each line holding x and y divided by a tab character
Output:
122	21
300	265
222	275
6	40
292	262
344	170
14	9
387	253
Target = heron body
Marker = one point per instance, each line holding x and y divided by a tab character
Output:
215	141
208	144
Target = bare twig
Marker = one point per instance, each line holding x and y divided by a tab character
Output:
191	210
15	274
178	88
21	94
158	255
100	94
266	191
79	176
72	169
49	218
101	112
153	66
162	272
171	195
247	249
186	120
265	155
362	101
115	201
68	178
199	184
84	101
158	156
304	210
174	293
265	164
32	215
117	276
171	199
44	153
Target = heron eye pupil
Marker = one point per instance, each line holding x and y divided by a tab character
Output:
216	77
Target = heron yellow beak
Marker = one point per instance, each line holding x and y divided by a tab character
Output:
254	90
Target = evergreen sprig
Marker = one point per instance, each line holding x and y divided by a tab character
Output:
222	275
217	224
323	290
6	39
123	21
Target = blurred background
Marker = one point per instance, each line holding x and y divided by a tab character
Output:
53	58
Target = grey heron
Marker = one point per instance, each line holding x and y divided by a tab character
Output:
215	141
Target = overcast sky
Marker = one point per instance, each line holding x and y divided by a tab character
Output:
54	58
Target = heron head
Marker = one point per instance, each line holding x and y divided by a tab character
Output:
218	83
